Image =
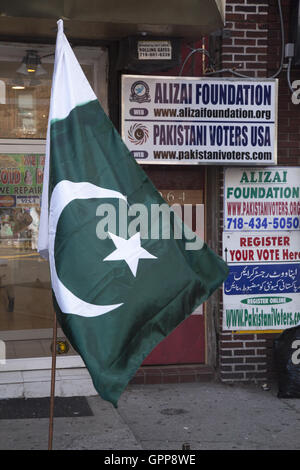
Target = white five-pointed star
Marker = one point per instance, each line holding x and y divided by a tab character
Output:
129	250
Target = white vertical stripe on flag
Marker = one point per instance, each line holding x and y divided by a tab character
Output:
70	88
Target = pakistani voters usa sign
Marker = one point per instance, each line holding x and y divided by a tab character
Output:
188	120
261	244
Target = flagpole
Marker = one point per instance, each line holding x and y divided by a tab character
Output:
52	392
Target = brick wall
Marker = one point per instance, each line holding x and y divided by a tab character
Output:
243	357
246	50
254	49
289	113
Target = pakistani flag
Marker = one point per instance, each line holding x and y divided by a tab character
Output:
117	292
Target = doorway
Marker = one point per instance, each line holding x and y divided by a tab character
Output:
183	186
26	309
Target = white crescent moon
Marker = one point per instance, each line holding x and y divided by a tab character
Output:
63	193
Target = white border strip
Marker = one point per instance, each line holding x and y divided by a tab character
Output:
40	363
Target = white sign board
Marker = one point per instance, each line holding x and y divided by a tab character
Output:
188	120
261	244
262	199
154	50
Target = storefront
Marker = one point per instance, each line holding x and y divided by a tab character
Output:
27	55
231	335
26	299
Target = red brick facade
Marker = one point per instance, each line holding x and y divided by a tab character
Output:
254	49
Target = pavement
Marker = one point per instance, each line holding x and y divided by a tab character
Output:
206	416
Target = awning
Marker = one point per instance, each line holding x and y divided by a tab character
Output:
111	19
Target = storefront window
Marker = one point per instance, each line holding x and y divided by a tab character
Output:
24	276
26	309
24	100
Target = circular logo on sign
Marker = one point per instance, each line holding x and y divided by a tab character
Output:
138	134
140	92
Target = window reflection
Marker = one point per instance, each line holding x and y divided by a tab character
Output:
26	307
25	106
25	292
24	101
26	114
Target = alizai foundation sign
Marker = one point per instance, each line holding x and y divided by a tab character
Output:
188	120
261	244
262	199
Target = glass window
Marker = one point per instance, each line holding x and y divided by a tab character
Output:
25	97
24	277
26	308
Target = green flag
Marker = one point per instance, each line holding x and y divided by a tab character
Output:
121	273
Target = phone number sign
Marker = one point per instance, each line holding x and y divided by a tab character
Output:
265	199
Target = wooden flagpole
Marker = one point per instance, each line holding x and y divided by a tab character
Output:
52	392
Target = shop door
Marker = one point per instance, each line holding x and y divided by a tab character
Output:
26	308
182	185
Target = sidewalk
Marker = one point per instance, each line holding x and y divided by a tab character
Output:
208	416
